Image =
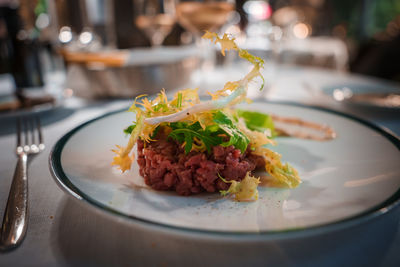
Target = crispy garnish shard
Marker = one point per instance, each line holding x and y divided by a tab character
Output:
123	162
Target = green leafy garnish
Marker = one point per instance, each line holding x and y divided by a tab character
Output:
129	129
179	100
257	121
223	133
161	107
183	132
236	137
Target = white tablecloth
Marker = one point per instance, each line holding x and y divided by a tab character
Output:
64	232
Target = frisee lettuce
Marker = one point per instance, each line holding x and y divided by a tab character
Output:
245	190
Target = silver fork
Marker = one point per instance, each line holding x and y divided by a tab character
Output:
15	220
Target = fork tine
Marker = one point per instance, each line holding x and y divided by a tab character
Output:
30	131
39	130
32	128
26	131
18	131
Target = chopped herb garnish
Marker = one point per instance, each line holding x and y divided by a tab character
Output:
179	100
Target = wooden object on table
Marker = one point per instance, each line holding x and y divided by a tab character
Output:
103	58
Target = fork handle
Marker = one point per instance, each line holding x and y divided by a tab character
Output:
15	219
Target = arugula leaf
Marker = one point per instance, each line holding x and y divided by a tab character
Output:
212	135
257	121
183	132
236	137
155	132
188	135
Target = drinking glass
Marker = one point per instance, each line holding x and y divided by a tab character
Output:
199	16
155	18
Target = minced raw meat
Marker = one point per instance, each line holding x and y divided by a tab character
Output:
165	166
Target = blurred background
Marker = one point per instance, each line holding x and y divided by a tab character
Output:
109	48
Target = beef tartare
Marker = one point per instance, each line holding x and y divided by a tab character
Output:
165	166
192	146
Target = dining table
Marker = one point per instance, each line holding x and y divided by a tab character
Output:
64	231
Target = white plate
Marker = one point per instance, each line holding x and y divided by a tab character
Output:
353	177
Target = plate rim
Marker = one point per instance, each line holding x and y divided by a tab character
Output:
378	210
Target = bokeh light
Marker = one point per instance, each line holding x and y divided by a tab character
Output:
258	10
65	35
301	30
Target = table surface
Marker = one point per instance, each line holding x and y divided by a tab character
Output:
63	232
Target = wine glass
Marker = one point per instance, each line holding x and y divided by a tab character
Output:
155	18
200	16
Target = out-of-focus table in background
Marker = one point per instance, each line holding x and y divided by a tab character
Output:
63	232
